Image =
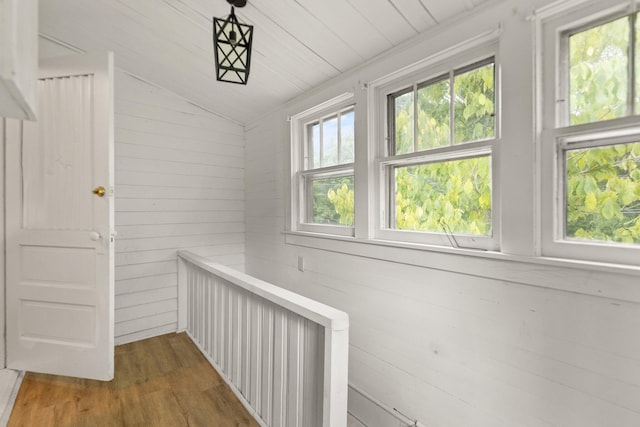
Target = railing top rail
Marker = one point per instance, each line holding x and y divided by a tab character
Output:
315	311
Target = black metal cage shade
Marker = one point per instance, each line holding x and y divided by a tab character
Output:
232	45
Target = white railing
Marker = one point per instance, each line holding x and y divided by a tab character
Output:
283	355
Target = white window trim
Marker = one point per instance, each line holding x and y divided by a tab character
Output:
297	222
554	137
459	56
520	255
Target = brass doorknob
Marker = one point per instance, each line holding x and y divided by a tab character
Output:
99	191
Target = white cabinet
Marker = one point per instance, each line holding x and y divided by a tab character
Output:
18	58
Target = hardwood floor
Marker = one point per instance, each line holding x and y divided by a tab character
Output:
162	381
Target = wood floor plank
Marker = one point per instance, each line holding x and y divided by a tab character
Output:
161	381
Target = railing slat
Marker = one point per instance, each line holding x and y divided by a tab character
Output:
279	372
246	349
256	351
266	393
312	369
294	377
284	355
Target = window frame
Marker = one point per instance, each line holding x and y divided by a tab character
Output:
458	62
557	136
302	176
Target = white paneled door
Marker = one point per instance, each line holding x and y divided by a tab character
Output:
59	223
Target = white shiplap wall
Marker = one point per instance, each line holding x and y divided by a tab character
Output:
179	184
453	340
179	173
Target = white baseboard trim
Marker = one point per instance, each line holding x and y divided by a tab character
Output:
370	412
10	382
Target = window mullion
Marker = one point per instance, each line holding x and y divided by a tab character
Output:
415	117
391	128
321	143
451	108
390	217
307	148
339	119
632	64
308	202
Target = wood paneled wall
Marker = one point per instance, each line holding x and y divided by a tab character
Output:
179	184
454	348
448	339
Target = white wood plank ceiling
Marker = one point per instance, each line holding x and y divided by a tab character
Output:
298	44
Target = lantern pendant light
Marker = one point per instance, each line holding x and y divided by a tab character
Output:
232	46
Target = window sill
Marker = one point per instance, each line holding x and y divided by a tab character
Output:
586	277
325	230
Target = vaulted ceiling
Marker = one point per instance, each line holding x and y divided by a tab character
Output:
298	44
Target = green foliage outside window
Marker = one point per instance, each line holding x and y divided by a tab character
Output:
451	196
602	184
474	105
333	201
603	193
474	118
598	73
434	115
404	123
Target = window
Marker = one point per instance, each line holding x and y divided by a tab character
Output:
436	158
602	197
437	162
324	142
600	79
592	142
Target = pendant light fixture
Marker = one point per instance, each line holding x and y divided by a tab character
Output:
232	46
